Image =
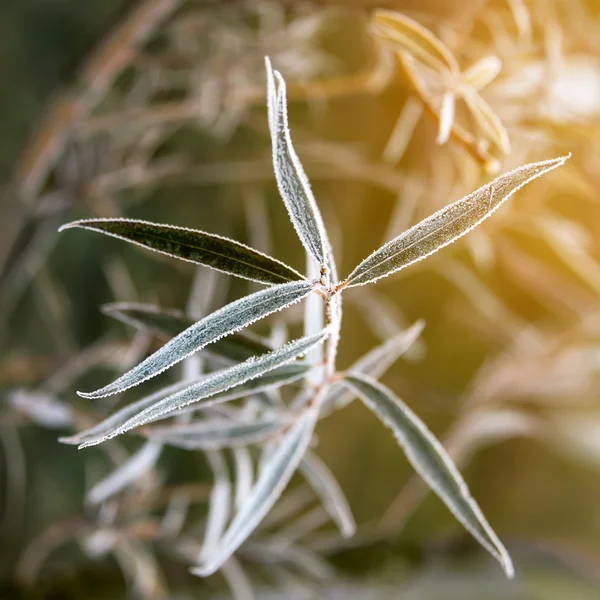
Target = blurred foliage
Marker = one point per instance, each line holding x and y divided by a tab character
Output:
156	111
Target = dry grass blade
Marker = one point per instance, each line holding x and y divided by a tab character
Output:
447	111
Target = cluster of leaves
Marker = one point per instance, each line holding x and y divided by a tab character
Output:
285	432
476	105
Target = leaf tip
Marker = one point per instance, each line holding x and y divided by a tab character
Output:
507	565
203	570
70	225
69	439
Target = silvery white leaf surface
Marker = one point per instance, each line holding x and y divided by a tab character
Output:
230	318
271	482
214	383
430	460
291	180
329	492
446	225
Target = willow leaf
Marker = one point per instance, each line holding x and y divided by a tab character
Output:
446	225
409	36
328	490
219	505
293	557
195	246
292	182
213	384
244	474
447	112
273	379
216	433
123	414
135	467
224	321
430	460
487	120
482	73
272	481
168	323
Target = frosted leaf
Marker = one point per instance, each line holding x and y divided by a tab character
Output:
169	322
406	35
136	466
292	182
375	363
482	73
328	490
213	384
224	321
195	246
272	481
446	225
219	504
216	433
430	460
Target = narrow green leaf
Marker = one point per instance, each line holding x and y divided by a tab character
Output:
208	387
430	460
224	321
446	225
168	323
195	246
272	481
291	180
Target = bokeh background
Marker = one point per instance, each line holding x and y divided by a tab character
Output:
156	109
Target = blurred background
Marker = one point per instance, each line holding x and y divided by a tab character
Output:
156	110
